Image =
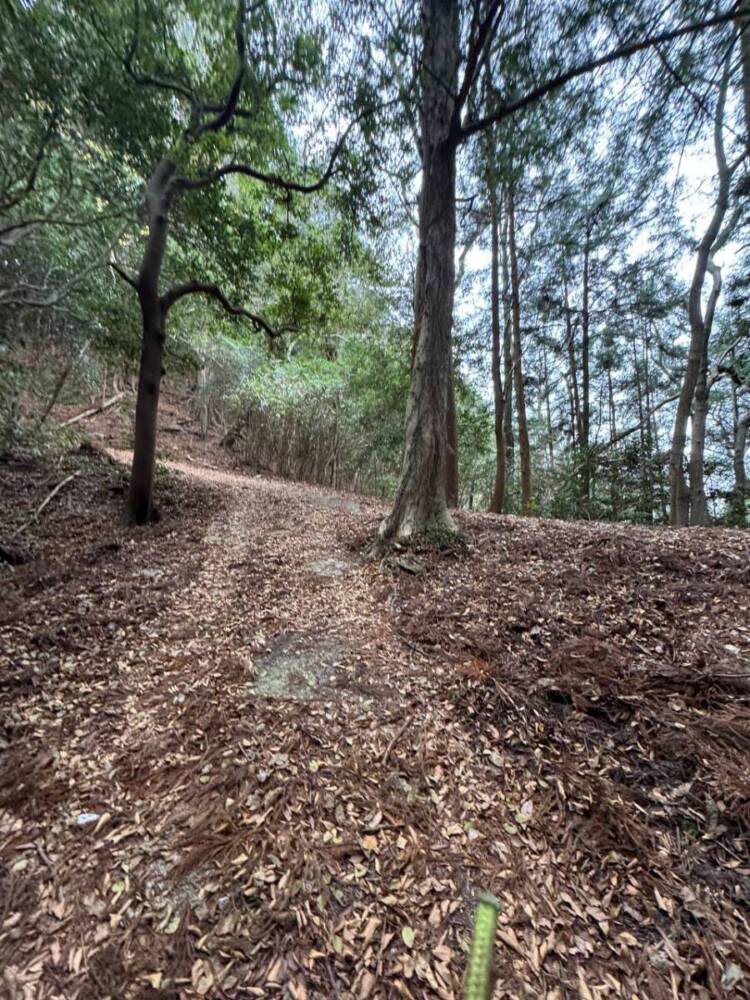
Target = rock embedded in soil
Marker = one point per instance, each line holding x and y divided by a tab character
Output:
330	567
307	668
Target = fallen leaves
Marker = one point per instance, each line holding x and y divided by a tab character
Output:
602	693
334	844
407	935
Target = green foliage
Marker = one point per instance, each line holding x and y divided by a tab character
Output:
332	419
21	437
476	447
96	94
294	386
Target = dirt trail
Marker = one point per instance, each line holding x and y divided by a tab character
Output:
244	782
201	838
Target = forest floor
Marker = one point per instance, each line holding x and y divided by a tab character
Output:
237	759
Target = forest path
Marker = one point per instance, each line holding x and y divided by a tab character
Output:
238	760
263	787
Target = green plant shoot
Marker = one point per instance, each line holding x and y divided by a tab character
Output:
479	971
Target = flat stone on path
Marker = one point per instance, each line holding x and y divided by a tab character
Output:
331	566
308	668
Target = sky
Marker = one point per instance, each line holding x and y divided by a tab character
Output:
697	169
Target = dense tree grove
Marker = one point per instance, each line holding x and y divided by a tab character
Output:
457	253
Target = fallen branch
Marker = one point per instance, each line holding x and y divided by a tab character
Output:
53	494
395	740
92	412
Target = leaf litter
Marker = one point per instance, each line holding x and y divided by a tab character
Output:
554	713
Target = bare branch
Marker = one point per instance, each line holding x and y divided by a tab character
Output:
227	110
213	291
51	220
560	79
273	180
35	165
720	369
122	273
14	296
477	45
144	79
707	244
708	320
276	180
636	427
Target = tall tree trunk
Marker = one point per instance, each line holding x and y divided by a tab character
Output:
62	378
642	434
741	483
612	411
571	414
498	493
523	430
660	478
585	381
507	361
577	435
420	502
548	410
698	505
103	386
451	458
203	399
649	438
614	476
679	493
743	24
140	497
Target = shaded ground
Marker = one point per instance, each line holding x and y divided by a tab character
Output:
237	761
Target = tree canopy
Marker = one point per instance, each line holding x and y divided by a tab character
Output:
265	170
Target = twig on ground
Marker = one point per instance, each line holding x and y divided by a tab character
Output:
394	741
414	646
332	978
44	856
94	410
52	495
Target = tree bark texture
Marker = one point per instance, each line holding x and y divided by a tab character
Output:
420	502
498	493
451	458
523	430
679	491
507	360
743	24
741	483
158	197
585	381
